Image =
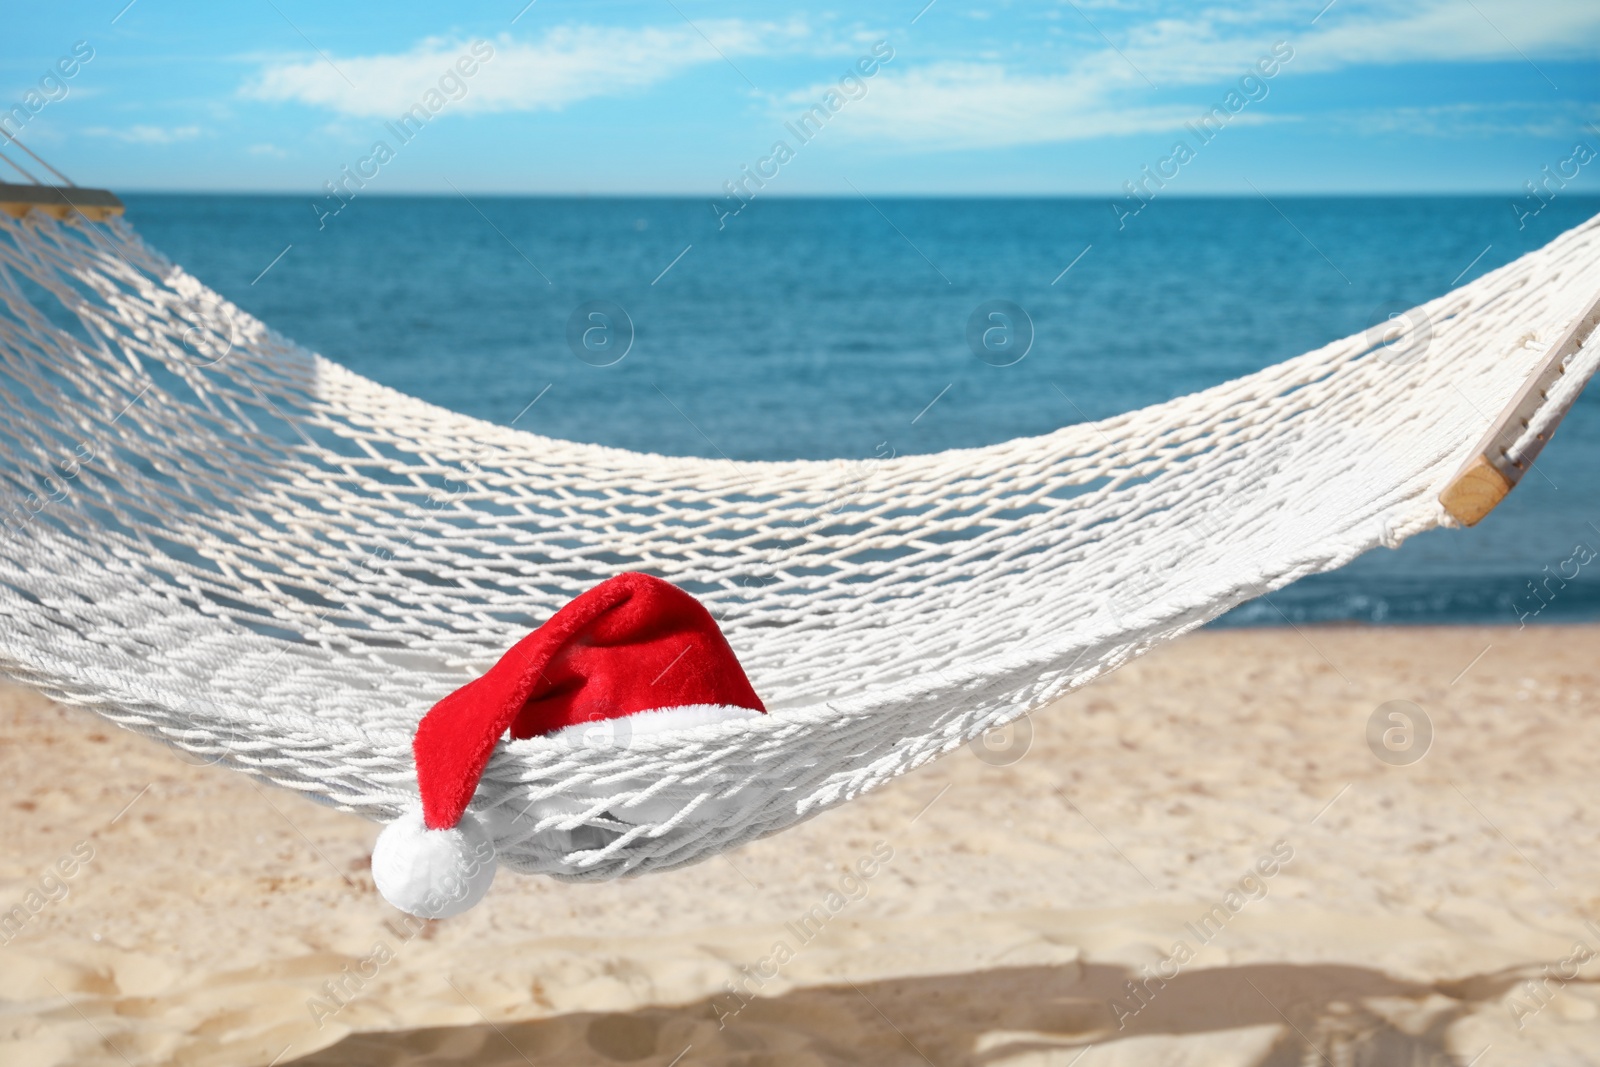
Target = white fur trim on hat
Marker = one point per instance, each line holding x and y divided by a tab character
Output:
619	733
652	723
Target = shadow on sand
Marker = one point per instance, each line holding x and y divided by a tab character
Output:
1325	1014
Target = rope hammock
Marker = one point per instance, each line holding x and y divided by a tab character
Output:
222	540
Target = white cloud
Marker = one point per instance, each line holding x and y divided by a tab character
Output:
1101	86
568	64
1506	119
1350	33
147	134
1457	32
1106	89
979	105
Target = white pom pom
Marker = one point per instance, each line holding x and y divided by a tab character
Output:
433	874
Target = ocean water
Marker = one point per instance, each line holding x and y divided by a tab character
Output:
839	328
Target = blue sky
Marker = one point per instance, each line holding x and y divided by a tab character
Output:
679	96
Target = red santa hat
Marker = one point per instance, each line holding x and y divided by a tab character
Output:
633	648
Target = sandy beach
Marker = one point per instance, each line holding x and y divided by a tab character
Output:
1199	860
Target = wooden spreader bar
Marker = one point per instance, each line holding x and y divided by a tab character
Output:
59	201
1490	473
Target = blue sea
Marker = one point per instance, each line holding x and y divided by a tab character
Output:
840	328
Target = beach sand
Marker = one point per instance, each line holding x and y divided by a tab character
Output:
1209	823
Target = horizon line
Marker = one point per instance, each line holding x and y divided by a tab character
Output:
613	195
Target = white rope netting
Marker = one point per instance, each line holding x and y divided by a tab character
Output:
218	538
